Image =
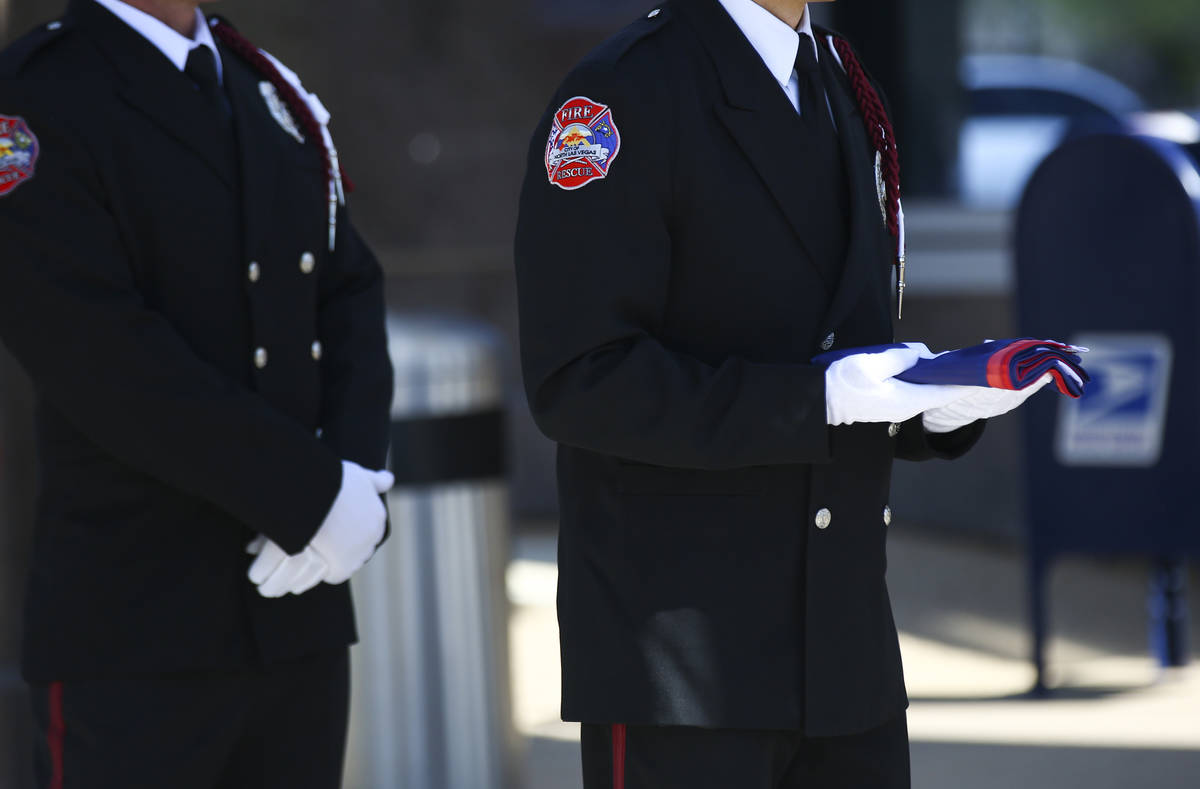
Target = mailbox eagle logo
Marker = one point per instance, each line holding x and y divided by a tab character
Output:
583	144
18	153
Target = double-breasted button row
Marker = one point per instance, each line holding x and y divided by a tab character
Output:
261	357
308	264
824	517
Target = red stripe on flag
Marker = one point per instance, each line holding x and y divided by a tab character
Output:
998	376
618	739
55	734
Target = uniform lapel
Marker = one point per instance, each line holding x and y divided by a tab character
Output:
760	118
155	87
863	256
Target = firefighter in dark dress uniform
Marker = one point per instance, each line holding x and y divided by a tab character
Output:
711	201
205	332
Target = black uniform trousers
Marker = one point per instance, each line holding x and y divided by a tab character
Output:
280	727
677	757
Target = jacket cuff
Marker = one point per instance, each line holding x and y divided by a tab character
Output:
913	442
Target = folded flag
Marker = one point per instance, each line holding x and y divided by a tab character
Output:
998	364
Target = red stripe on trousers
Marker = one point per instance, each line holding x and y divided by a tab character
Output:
54	735
618	739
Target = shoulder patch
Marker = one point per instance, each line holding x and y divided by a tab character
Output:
584	143
18	153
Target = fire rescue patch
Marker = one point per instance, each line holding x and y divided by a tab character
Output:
279	110
18	153
583	144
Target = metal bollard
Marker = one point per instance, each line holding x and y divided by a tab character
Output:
430	707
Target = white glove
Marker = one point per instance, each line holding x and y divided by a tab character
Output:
346	540
277	574
982	403
861	388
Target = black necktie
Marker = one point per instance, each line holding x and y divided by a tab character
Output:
814	108
202	69
824	169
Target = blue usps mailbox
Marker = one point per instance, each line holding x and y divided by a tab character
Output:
1108	256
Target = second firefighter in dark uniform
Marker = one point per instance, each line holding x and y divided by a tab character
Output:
205	331
700	219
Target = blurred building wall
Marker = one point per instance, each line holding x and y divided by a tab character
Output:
913	48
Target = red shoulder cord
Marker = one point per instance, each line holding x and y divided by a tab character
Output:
883	137
295	102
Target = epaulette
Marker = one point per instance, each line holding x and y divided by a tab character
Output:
218	19
20	52
619	45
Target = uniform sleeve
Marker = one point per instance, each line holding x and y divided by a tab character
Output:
593	274
116	369
356	372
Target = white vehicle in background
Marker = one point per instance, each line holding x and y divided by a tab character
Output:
1019	109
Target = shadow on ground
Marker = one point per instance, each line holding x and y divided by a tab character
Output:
972	593
969	766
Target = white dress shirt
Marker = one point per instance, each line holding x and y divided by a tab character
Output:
174	46
776	43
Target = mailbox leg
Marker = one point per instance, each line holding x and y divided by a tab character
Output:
1168	612
1038	567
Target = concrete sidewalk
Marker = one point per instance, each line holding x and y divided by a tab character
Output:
1115	721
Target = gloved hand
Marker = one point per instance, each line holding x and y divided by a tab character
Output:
346	540
277	574
861	388
982	403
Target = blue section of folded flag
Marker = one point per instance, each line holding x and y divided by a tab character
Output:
1000	364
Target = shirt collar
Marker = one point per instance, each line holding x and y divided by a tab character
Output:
775	42
174	46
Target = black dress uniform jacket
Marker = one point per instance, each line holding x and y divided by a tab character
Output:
668	314
152	254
